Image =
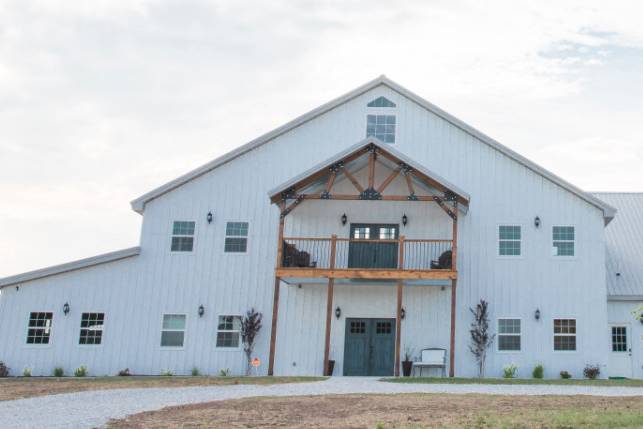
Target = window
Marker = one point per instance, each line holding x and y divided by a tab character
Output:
509	335
564	334
229	331
236	237
381	127
563	239
173	332
362	233
39	331
388	233
509	240
182	236
381	102
619	339
91	328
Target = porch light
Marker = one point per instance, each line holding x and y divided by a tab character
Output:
338	312
66	308
537	314
201	310
209	217
537	222
405	219
402	313
344	219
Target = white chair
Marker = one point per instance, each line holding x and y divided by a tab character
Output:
431	358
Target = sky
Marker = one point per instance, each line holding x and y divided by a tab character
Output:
102	101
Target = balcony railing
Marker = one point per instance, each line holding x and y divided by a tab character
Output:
346	254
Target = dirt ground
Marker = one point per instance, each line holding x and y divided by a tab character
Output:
16	388
398	411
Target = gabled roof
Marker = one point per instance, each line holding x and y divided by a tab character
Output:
138	204
388	154
624	246
70	266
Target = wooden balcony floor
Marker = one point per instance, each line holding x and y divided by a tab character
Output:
366	273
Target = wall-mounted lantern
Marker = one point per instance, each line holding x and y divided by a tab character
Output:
402	313
344	219
338	312
209	217
537	314
201	310
405	219
537	222
66	308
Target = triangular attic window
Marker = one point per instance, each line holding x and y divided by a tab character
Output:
381	102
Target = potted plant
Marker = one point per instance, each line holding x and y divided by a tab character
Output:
407	363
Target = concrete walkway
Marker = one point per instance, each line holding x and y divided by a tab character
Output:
94	409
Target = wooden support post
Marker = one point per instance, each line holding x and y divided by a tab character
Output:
398	314
275	298
329	304
454	267
371	170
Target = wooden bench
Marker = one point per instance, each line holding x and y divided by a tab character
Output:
431	358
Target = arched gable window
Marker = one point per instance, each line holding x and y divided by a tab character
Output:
381	102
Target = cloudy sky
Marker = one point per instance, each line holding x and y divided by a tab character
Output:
101	101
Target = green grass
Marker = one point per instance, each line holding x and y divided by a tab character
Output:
569	382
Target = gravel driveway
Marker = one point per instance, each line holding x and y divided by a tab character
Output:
92	409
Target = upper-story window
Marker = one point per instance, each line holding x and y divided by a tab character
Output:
563	241
381	127
381	102
509	240
182	236
236	237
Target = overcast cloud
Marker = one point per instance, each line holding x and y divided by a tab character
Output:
101	101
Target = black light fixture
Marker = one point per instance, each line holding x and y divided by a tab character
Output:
201	310
66	308
537	314
338	312
402	313
537	222
209	217
405	219
344	219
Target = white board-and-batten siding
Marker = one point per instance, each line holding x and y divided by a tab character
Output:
136	292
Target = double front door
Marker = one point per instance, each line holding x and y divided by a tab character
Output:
367	248
369	347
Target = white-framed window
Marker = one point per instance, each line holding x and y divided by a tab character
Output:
173	330
509	237
563	241
381	102
91	328
182	236
229	332
509	335
39	327
381	127
565	335
236	237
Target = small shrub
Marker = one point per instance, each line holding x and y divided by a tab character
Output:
167	373
224	372
4	370
565	375
59	372
591	371
81	371
124	373
509	371
539	371
26	372
195	372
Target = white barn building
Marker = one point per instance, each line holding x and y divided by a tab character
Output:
363	229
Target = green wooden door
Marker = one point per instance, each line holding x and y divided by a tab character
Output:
369	347
371	252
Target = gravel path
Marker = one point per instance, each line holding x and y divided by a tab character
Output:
92	409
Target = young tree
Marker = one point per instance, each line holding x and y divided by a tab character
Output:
250	327
638	314
481	339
